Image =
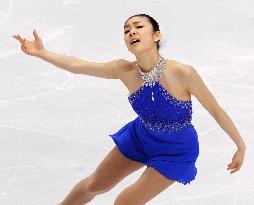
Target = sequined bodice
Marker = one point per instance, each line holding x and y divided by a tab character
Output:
158	109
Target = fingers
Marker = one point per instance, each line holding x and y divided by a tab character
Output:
234	166
24	47
21	40
235	169
36	37
18	38
231	165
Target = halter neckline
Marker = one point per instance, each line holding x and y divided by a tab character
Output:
155	73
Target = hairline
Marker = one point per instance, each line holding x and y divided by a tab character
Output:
127	25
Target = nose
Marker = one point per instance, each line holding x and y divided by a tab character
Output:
132	32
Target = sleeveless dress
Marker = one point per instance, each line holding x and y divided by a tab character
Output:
162	135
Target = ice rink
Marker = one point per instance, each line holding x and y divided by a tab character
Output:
55	125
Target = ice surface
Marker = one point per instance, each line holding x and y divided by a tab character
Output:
54	125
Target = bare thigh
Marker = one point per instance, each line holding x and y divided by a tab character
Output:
113	168
150	184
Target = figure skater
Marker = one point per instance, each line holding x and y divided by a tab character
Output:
162	136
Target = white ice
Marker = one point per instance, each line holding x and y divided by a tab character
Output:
55	125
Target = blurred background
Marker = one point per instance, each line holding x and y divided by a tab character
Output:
55	125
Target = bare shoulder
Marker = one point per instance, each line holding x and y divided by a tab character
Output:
123	66
188	75
113	69
196	86
125	70
180	71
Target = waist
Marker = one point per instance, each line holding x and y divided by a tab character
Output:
157	125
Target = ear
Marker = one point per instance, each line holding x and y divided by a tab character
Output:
157	36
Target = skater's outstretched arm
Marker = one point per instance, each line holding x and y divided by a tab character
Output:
198	88
70	63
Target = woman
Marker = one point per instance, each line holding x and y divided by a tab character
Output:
162	136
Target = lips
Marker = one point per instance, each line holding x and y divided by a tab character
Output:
134	41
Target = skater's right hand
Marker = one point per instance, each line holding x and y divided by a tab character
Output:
33	48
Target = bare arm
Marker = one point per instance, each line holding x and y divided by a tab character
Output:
197	87
72	64
61	61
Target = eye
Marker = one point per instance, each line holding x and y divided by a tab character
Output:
137	27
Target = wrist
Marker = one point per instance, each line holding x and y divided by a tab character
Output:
242	150
241	146
41	53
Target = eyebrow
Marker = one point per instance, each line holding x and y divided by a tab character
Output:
133	23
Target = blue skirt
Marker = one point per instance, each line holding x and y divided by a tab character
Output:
173	154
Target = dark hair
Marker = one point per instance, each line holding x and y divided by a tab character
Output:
154	23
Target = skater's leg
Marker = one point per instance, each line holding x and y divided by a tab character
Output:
113	168
78	195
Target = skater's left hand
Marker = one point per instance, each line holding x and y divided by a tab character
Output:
237	161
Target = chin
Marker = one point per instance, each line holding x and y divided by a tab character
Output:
140	51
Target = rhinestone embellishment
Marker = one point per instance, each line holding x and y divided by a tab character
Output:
165	113
166	126
153	75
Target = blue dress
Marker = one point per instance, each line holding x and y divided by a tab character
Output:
162	135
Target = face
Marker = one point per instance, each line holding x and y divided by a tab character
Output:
140	27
